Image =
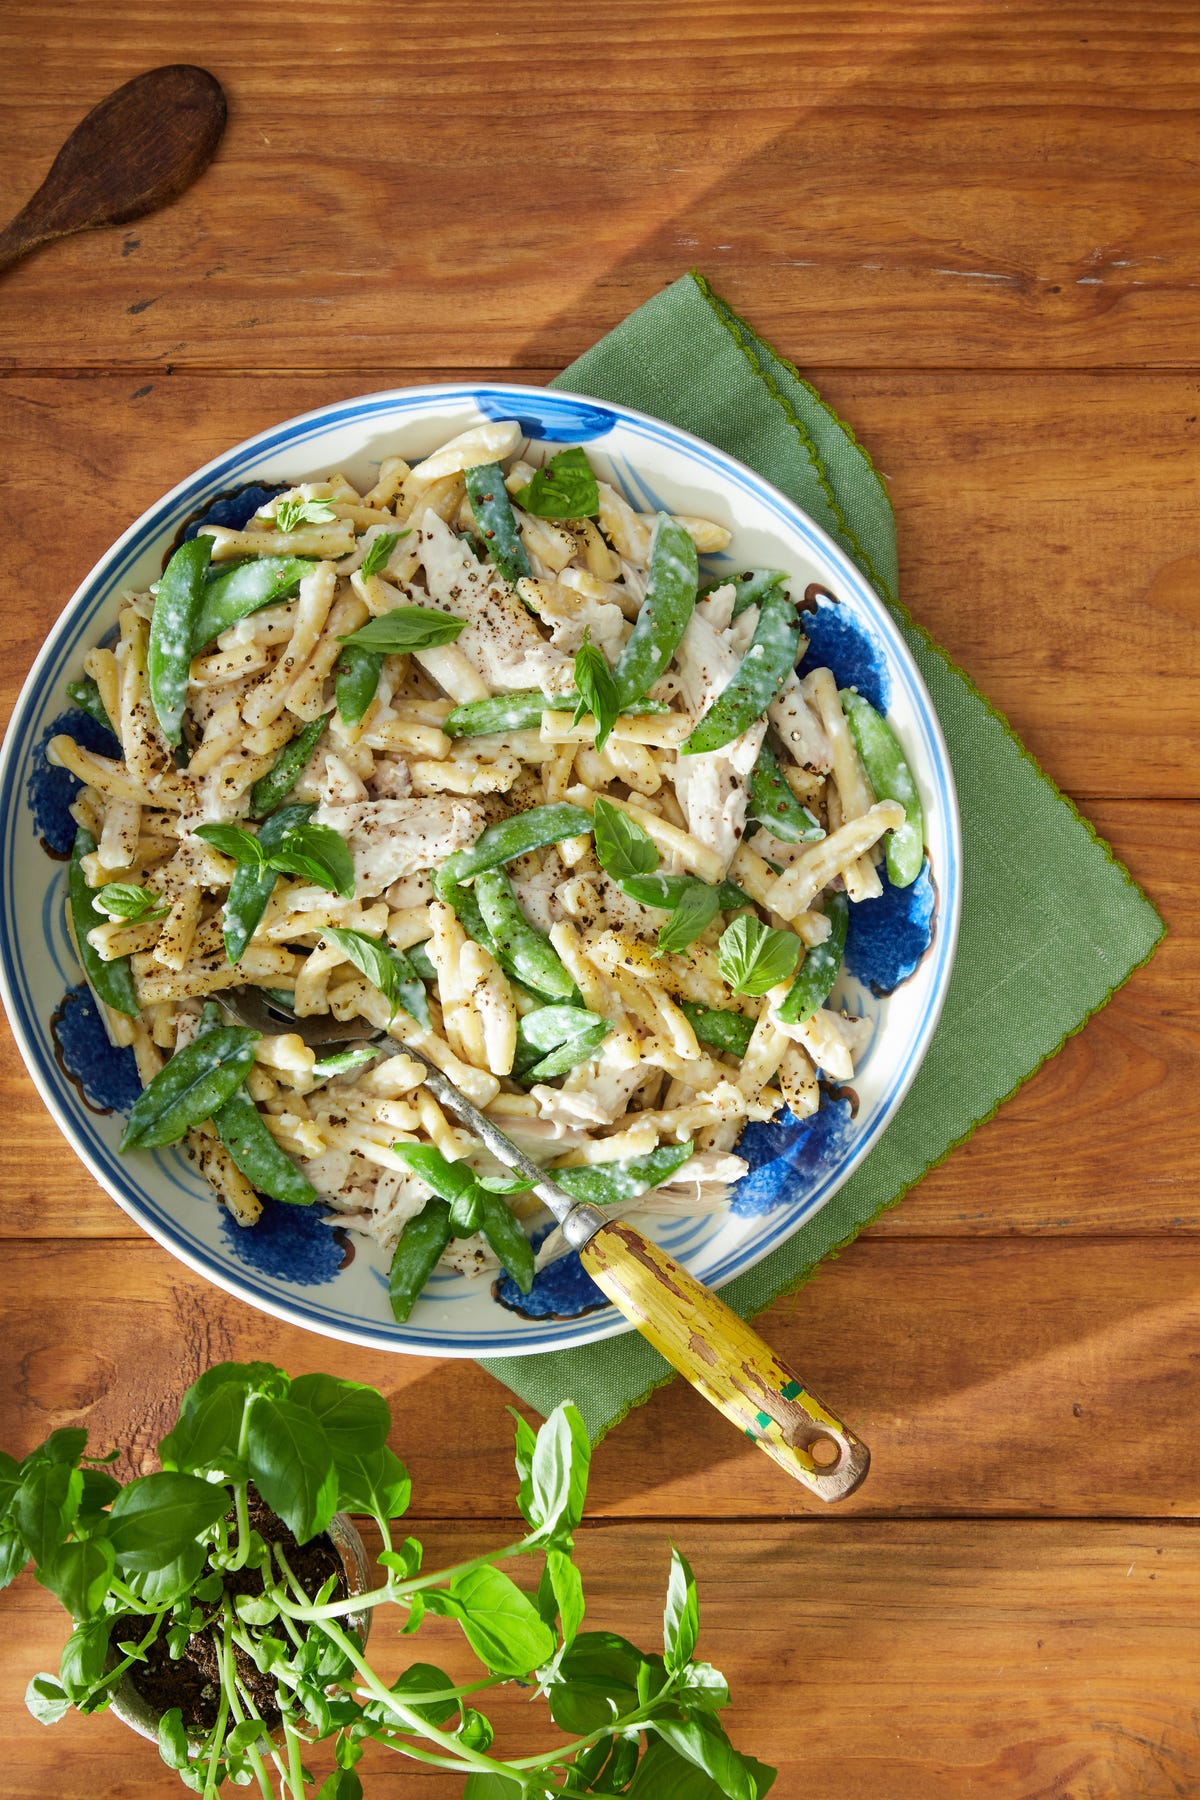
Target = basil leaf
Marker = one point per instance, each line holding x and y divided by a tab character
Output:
681	1616
234	841
81	1665
562	1455
570	1053
564	489
597	691
375	1482
500	1623
121	900
355	1419
165	1585
386	968
290	513
701	1740
622	847
318	854
206	1435
380	551
45	1506
46	1700
157	1517
754	957
13	1555
291	1465
560	1592
548	1033
190	1087
406	628
594	1679
698	906
254	883
78	1573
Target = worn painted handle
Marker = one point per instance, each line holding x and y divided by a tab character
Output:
725	1360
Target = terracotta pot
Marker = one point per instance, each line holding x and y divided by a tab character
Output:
132	1710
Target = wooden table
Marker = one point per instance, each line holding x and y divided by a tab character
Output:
975	228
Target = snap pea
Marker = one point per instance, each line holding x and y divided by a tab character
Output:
553	1039
190	1087
177	603
667	891
342	1064
891	779
266	1167
663	618
111	982
271	789
774	805
753	585
607	1184
246	588
496	520
86	696
416	1255
466	908
520	948
758	679
514	837
472	1208
503	1232
252	886
522	712
719	1028
355	679
818	972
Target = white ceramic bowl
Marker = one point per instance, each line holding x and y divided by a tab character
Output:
293	1265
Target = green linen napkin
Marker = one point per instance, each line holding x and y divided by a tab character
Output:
687	358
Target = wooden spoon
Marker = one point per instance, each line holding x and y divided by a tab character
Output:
135	151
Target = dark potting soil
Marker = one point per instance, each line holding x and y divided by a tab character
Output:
192	1683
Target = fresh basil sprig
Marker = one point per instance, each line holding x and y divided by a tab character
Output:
623	849
190	1087
565	489
554	1039
136	905
291	513
406	628
313	852
597	690
754	957
385	967
698	906
380	550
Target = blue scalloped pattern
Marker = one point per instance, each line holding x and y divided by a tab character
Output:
562	1290
107	1076
233	510
787	1153
50	791
289	1243
887	937
839	641
555	419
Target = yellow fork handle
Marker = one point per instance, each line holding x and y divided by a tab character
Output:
725	1360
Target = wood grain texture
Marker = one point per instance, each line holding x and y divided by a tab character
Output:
996	1377
891	1661
927	186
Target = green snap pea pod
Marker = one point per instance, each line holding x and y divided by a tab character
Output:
565	1056
663	618
342	1064
521	949
177	604
416	1255
891	779
466	909
246	588
252	887
271	789
607	1184
522	712
503	1232
514	837
190	1088
719	1028
112	982
818	972
553	1039
86	696
773	803
758	679
753	585
355	680
496	520
667	891
266	1167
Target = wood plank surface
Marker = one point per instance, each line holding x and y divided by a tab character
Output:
936	185
890	1661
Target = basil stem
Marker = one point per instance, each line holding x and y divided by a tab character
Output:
190	1087
243	589
253	886
496	520
356	678
663	618
266	1167
520	949
891	779
111	982
177	606
514	837
271	789
758	679
774	805
818	972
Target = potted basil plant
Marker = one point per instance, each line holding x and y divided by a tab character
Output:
225	1597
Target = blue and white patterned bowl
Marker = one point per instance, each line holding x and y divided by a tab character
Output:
900	948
